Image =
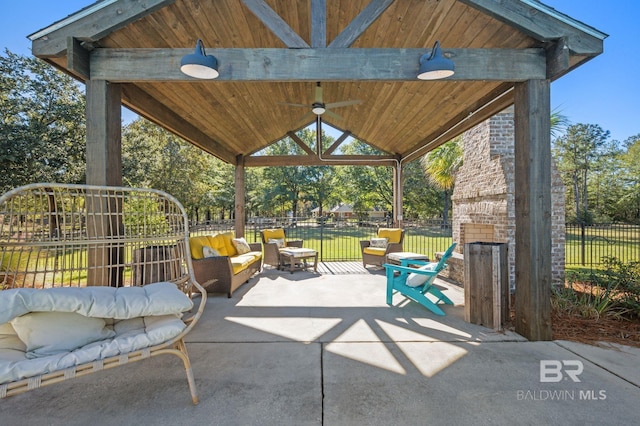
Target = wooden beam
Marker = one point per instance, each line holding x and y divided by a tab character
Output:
239	197
136	65
141	102
318	23
300	143
308	160
52	41
275	23
104	133
77	59
337	143
533	209
543	23
360	24
558	63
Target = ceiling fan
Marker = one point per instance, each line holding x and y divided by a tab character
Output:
319	107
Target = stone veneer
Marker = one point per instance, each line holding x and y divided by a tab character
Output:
484	199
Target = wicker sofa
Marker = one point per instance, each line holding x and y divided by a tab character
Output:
227	269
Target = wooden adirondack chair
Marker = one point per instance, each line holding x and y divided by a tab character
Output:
417	283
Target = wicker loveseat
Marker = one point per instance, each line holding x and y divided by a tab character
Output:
91	278
226	269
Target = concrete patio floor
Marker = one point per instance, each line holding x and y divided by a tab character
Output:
322	349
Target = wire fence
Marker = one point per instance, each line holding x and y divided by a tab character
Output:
338	239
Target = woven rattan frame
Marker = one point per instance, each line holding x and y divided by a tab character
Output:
56	235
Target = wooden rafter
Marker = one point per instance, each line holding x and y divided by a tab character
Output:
541	23
318	23
300	143
337	143
360	24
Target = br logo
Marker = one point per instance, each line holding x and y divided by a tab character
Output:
553	371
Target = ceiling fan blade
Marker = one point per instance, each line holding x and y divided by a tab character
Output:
294	105
333	114
318	97
342	104
305	119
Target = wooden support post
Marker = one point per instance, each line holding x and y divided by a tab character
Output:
533	209
397	195
104	133
104	167
240	196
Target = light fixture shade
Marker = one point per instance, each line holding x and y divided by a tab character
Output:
199	65
318	108
435	66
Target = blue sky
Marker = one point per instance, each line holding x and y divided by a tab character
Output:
605	91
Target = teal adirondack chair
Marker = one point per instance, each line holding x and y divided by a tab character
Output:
417	283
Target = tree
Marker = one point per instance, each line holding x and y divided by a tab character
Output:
42	128
559	122
577	152
365	187
282	186
441	165
153	157
420	198
628	204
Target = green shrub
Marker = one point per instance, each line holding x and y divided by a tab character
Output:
612	292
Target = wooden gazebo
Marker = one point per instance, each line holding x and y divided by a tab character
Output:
272	53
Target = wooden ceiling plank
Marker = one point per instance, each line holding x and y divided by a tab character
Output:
169	120
275	23
477	112
360	24
395	27
94	26
196	110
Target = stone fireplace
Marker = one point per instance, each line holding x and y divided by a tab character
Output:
484	199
